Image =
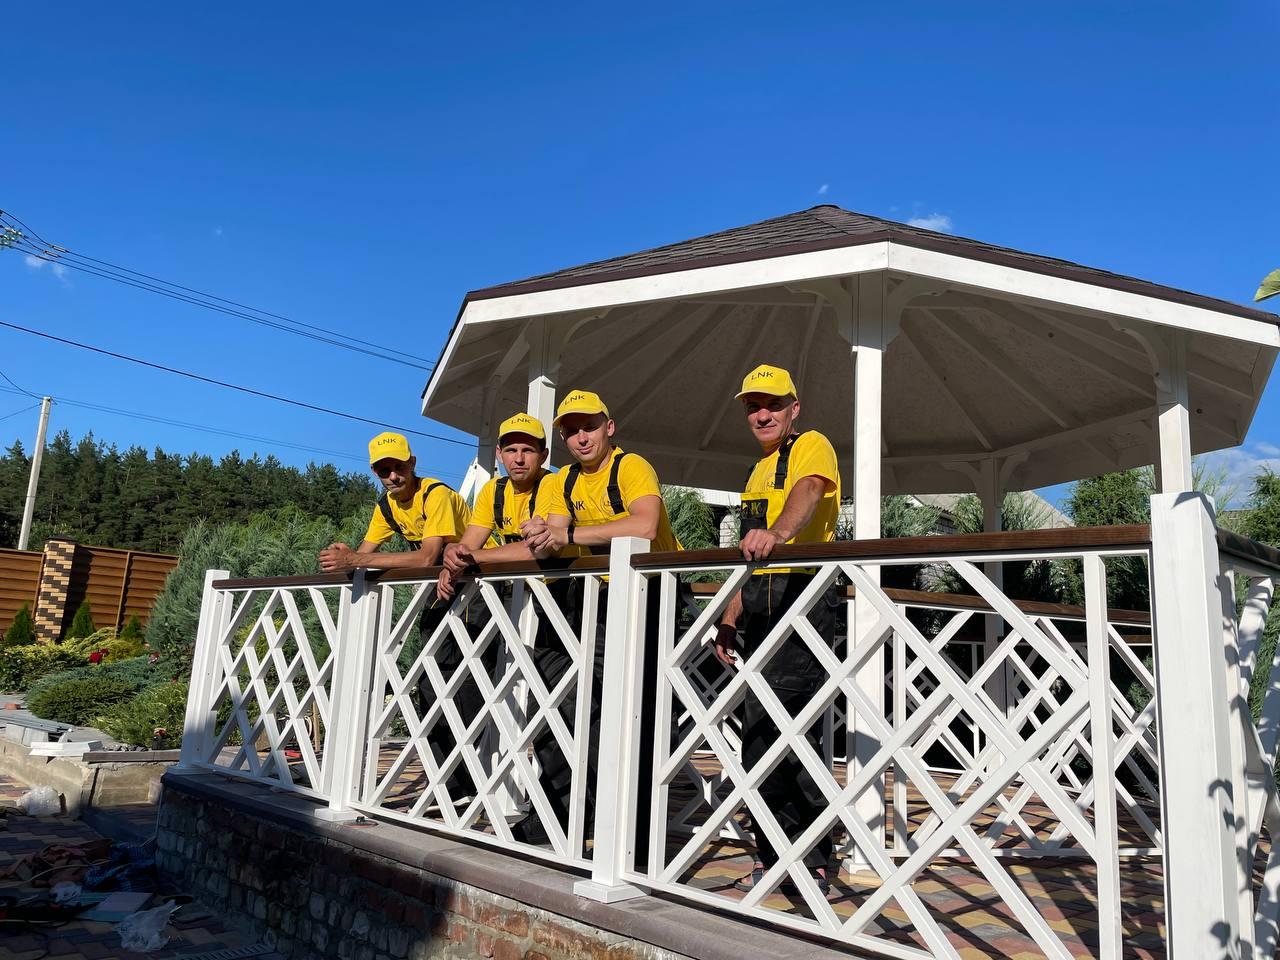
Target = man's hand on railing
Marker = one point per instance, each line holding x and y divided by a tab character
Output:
447	585
457	557
759	544
726	644
338	558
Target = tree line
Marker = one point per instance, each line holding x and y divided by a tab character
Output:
97	494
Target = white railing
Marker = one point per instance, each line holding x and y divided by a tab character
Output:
926	744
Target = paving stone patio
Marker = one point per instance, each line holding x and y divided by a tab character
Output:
85	939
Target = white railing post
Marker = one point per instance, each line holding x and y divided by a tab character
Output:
1199	808
345	737
619	755
196	732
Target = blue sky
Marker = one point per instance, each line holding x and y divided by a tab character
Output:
361	172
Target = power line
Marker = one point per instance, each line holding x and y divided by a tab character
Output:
47	257
20	389
55	253
23	410
229	386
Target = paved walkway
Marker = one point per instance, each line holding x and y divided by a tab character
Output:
83	939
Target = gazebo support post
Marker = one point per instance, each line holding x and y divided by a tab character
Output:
864	323
544	365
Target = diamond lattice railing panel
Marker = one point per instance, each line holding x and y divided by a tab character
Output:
1011	788
273	687
479	713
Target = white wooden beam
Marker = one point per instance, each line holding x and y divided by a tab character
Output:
1078	295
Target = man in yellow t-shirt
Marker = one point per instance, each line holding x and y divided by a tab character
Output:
791	496
605	493
504	503
428	515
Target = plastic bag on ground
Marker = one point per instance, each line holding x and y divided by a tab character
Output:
65	892
144	931
40	802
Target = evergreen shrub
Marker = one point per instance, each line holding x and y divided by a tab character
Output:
136	721
22	631
132	630
80	701
280	543
115	647
81	624
20	667
138	672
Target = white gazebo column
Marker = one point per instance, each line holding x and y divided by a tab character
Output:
544	366
867	337
1173	414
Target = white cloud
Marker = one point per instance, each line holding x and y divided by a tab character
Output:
822	190
934	221
1239	466
38	263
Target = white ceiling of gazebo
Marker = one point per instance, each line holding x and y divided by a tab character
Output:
998	361
967	376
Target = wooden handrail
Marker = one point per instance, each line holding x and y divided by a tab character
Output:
1243	548
1137	536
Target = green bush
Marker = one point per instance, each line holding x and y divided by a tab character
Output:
79	702
132	630
136	721
20	667
115	647
140	672
22	632
82	623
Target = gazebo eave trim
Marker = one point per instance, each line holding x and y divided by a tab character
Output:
964	270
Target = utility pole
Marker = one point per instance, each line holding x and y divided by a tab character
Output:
36	456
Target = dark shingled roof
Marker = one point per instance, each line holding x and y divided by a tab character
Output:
828	227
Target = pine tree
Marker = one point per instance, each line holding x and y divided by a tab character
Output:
22	631
81	623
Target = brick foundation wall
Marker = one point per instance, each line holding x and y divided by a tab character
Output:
313	897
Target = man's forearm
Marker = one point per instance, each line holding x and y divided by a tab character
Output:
507	553
600	534
799	508
733	611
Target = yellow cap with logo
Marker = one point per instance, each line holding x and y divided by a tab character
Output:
388	446
522	423
772	381
579	401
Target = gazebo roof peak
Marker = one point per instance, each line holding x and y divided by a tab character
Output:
828	227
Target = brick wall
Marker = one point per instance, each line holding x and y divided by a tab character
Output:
55	585
313	897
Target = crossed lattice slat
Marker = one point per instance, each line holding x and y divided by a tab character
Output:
270	687
1017	756
500	717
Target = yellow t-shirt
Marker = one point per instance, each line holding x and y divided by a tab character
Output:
516	508
811	456
636	478
444	514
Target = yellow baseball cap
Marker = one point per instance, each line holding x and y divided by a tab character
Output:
388	446
579	401
773	381
522	423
